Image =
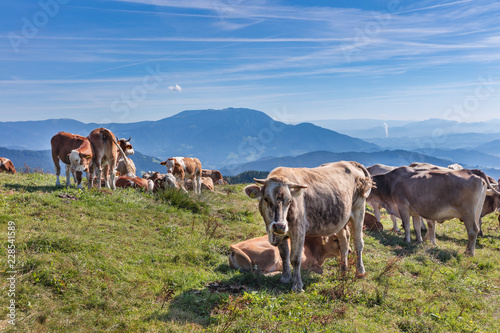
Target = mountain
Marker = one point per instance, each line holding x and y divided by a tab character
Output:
216	137
42	160
314	159
492	148
468	157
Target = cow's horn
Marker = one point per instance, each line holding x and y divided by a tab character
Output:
129	138
260	181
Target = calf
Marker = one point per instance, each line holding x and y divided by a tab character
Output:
258	255
295	202
206	184
73	150
182	167
7	166
214	174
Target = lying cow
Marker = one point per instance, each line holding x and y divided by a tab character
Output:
295	202
161	181
258	255
370	223
206	184
214	174
134	182
7	166
448	194
73	150
185	167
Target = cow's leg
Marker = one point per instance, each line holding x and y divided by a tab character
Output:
297	245
58	170
98	173
90	177
472	231
112	174
431	232
78	179
286	274
405	217
394	220
344	247
480	233
199	183
357	226
68	176
417	225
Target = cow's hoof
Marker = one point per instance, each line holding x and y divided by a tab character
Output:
297	290
285	279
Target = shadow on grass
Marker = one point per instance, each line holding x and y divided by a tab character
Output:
396	241
34	188
196	306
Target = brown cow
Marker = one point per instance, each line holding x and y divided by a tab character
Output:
73	150
214	174
122	167
103	143
448	194
6	165
134	182
182	167
370	223
258	255
295	202
161	181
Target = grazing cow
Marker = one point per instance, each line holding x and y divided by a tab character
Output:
134	182
258	255
214	174
103	143
378	169
295	202
448	194
182	167
122	167
206	184
73	150
6	165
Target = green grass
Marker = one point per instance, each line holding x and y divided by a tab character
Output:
129	261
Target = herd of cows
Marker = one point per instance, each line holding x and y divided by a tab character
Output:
309	213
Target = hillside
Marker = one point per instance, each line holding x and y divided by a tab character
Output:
216	137
309	160
128	261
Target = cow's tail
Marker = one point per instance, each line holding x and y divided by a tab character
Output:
237	264
486	178
363	185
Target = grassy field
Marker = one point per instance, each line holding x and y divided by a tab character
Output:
129	261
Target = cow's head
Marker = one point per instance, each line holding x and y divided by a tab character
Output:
171	164
80	161
275	198
126	146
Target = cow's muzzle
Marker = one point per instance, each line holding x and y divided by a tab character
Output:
279	228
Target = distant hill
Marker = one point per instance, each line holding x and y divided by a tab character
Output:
314	159
469	157
492	148
216	137
42	159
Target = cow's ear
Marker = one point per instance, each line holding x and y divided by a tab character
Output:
253	191
296	189
163	163
85	156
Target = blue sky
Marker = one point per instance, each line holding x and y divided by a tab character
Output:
133	60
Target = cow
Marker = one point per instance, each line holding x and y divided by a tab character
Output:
295	202
258	255
370	223
7	166
76	152
134	182
378	169
185	167
434	195
161	181
103	143
122	167
214	174
206	184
